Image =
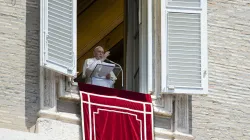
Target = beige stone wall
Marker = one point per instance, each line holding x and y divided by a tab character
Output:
19	64
225	113
8	134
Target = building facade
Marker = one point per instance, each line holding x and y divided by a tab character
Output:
40	103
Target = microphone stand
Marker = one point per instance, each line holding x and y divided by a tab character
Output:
119	67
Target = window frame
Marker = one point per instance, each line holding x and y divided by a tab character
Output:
67	89
145	49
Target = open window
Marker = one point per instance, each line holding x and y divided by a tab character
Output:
101	23
71	29
125	28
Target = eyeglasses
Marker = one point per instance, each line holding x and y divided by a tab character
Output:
101	52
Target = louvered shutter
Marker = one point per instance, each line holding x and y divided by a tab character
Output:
184	47
58	36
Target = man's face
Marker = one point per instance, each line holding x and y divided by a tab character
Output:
99	52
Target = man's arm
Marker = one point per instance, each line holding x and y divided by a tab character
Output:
112	76
84	69
89	66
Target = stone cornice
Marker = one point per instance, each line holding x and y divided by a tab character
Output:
61	116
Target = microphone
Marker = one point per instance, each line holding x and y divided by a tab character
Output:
119	67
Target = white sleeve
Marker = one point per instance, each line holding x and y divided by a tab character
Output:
89	66
112	75
84	69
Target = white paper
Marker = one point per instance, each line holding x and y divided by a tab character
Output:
102	82
104	69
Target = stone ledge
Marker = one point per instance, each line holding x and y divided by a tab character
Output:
70	97
58	130
73	95
64	117
8	134
159	133
167	134
182	136
161	112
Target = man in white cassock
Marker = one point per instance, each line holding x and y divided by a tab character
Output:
89	66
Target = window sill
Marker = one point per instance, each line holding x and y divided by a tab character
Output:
72	94
70	97
61	116
167	134
76	119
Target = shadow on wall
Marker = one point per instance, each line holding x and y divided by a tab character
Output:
190	115
32	63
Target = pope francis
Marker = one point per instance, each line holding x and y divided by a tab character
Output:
89	66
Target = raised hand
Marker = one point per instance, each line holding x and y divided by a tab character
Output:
108	76
106	55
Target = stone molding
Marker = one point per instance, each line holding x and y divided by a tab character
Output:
167	134
61	116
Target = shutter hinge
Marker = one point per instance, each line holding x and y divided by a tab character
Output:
69	70
46	41
171	87
47	36
204	73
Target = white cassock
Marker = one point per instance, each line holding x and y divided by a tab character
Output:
89	66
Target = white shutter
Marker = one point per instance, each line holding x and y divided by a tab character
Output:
184	47
184	3
58	35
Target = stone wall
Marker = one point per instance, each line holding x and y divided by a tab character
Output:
19	64
8	134
224	114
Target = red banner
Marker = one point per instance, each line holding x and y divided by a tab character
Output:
111	114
